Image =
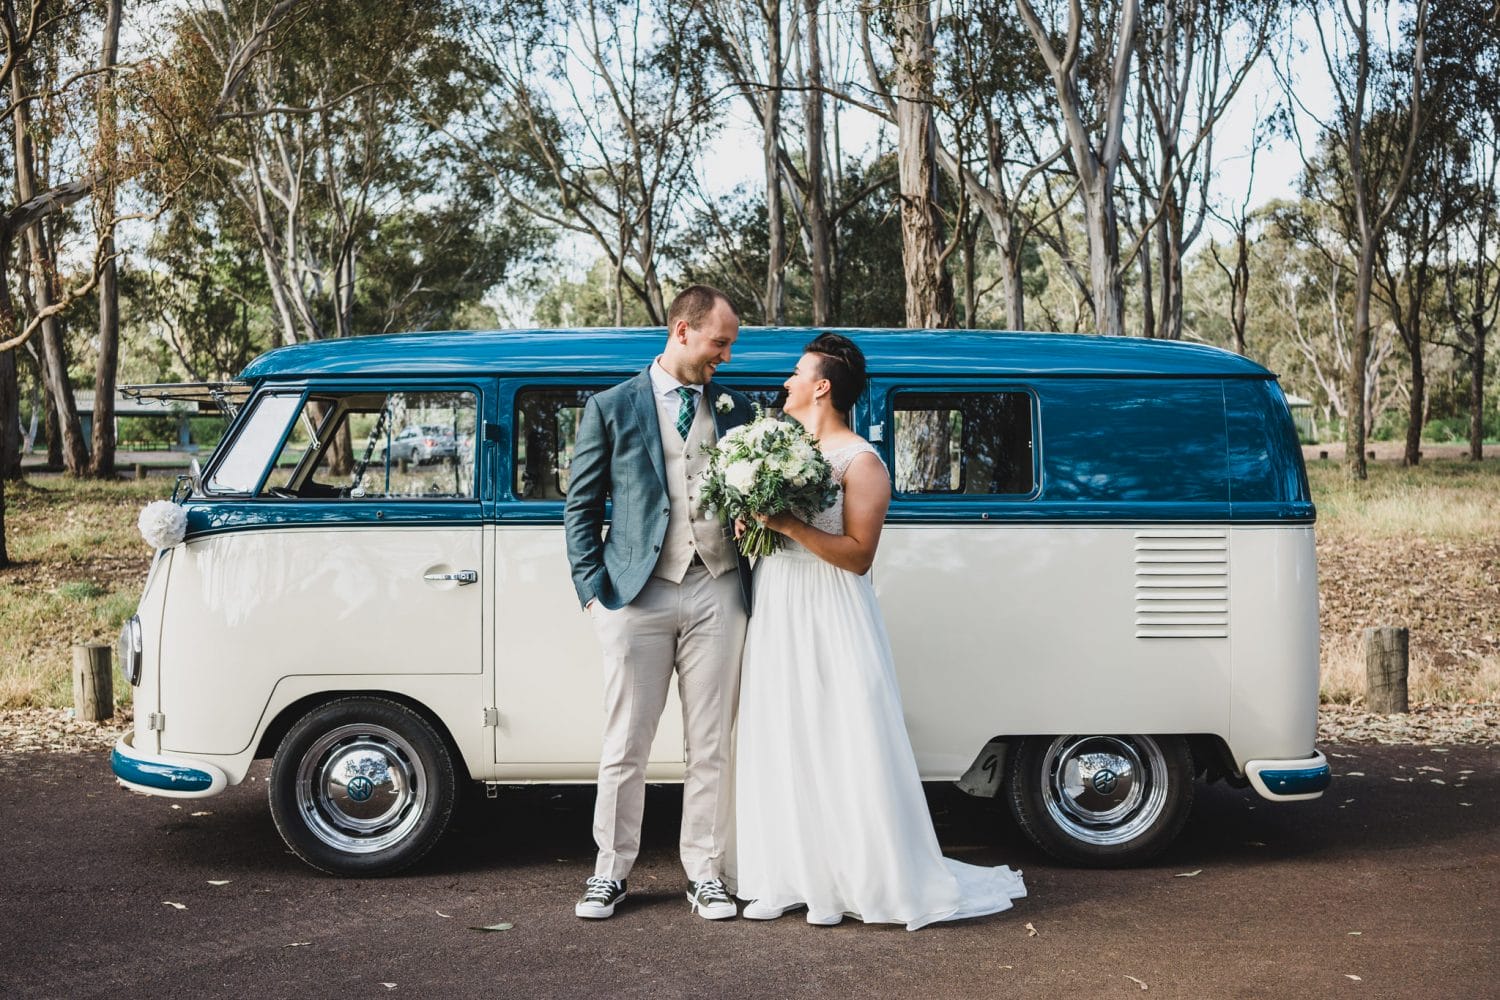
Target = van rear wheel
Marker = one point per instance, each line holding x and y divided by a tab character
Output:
1101	801
362	786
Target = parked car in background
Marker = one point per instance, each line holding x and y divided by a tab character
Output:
423	443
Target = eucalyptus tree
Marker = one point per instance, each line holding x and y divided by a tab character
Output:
1371	83
43	46
1467	58
752	39
102	459
1001	141
907	90
591	116
1407	258
1192	56
1088	55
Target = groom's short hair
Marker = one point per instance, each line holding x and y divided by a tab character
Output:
694	303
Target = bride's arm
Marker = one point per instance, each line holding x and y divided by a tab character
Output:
867	494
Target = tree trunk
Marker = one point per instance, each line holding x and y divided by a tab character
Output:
1476	389
819	240
929	286
1415	409
774	306
1148	281
54	432
10	415
1241	289
103	463
1359	355
39	276
1103	228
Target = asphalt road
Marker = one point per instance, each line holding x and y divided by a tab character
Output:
1389	886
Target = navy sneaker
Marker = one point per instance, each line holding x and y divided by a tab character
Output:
710	901
599	897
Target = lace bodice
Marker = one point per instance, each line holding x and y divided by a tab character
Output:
832	519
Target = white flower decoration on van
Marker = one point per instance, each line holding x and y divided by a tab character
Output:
163	524
724	404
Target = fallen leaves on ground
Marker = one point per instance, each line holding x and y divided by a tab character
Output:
1425	724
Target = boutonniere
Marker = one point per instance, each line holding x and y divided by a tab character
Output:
724	404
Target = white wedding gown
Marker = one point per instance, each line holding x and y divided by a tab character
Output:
829	806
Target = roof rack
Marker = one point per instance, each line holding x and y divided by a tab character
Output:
227	397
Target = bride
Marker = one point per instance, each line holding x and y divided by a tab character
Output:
830	811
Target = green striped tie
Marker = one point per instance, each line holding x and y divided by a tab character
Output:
685	414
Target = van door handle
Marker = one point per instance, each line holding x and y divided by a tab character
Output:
463	577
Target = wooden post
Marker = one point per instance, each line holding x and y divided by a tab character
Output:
1386	662
93	682
140	470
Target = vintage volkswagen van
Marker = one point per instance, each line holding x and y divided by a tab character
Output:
1097	571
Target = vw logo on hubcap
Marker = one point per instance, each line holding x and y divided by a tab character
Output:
1104	781
360	788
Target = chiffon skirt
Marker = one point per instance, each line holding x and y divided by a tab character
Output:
829	806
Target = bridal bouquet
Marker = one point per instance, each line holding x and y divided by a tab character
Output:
766	467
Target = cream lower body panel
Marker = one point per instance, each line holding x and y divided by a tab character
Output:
1003	629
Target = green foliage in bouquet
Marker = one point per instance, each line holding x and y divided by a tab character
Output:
767	466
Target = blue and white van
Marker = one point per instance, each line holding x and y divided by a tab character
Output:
1097	571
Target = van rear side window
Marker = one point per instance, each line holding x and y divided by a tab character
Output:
963	442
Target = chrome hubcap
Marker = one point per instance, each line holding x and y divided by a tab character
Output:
1104	789
360	788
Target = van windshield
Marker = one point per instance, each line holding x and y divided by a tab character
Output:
240	469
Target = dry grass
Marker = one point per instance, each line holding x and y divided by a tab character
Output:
78	564
1418	548
1343	677
1442	500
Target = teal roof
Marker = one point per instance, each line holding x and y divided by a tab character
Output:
759	351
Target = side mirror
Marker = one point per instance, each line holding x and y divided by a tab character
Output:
193	482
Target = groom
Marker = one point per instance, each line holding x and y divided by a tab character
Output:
667	590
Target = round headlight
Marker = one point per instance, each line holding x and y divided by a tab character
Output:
130	650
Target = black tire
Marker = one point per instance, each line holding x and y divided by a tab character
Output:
1101	801
362	786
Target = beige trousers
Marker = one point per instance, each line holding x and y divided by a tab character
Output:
696	628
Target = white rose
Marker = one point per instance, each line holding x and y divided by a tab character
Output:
741	475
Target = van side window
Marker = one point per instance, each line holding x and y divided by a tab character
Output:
963	442
377	445
546	425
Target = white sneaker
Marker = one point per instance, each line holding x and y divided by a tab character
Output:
824	919
599	898
710	901
758	910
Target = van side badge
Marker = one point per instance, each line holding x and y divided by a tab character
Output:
877	432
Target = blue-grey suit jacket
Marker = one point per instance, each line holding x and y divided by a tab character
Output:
617	455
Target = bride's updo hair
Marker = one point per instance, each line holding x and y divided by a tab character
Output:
843	365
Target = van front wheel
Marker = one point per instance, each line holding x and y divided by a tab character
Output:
1101	800
362	786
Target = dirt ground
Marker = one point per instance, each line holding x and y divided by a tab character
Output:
1388	886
